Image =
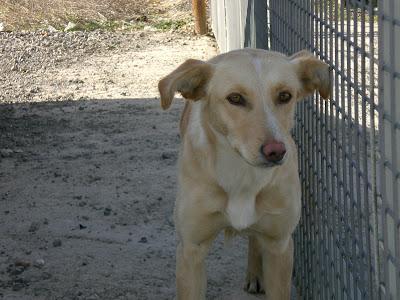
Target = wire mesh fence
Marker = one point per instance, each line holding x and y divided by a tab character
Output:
347	243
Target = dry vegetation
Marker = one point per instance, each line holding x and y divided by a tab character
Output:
91	14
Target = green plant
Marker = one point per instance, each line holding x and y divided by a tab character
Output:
170	24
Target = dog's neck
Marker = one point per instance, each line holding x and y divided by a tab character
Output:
240	180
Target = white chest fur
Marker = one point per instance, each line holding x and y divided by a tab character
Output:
242	182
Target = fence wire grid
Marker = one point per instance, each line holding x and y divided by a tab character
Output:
347	243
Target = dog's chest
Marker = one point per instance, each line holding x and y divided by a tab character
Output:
242	183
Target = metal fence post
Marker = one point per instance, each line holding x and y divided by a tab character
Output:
389	144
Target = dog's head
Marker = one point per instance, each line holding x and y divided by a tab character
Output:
249	97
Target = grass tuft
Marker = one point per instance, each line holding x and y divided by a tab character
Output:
170	24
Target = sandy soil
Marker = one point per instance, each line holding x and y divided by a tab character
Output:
87	187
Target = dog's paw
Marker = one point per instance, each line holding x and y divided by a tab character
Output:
254	286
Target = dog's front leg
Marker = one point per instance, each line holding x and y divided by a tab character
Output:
277	268
254	278
190	270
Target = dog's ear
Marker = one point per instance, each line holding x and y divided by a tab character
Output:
189	79
314	74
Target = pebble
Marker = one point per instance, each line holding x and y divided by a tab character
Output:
39	263
22	263
52	29
143	240
107	211
6	152
34	90
165	156
57	243
34	227
16	270
70	26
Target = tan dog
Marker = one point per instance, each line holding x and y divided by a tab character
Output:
238	162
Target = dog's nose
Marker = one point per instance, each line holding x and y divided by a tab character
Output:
273	151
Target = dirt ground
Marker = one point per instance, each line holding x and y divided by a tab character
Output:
87	169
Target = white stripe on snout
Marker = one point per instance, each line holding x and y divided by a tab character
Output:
271	122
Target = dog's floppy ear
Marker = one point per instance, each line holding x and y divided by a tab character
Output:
190	79
314	74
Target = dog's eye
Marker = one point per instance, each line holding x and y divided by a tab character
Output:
284	97
236	99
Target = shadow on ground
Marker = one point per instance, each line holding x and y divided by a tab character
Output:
86	198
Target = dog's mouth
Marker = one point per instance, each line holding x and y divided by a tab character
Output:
269	164
264	163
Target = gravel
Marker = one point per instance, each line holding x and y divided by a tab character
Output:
50	65
27	58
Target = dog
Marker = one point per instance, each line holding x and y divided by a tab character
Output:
238	164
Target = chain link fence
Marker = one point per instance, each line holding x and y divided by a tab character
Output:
347	243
